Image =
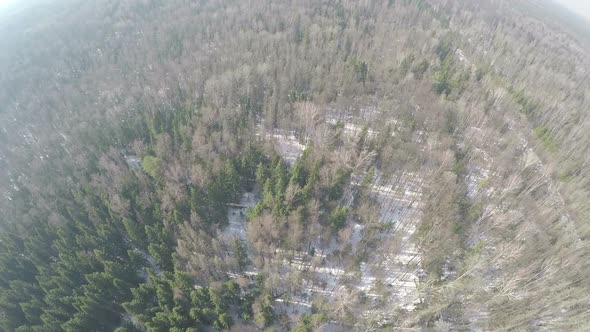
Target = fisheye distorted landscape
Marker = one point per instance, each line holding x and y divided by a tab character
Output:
294	165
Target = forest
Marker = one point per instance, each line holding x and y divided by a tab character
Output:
297	165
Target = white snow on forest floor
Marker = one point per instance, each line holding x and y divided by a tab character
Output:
398	267
389	272
236	216
133	162
286	145
476	180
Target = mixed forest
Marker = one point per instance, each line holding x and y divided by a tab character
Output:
299	165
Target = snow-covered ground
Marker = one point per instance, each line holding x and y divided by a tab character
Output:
286	144
394	265
236	216
397	262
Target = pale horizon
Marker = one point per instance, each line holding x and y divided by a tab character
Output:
581	8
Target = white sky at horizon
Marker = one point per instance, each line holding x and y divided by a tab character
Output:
4	3
580	7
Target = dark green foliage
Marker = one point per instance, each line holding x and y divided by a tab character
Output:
337	218
173	123
136	232
261	174
298	176
223	322
170	302
309	185
151	165
547	139
82	289
210	203
528	106
442	78
337	189
460	165
361	69
451	122
360	144
406	64
419	69
85	272
240	254
444	50
479	74
448	78
298	31
280	178
276	178
263	312
267	193
366	184
308	323
249	162
160	246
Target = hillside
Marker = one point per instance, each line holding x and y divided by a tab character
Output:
294	165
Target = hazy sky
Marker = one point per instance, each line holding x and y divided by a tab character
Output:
581	7
4	3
